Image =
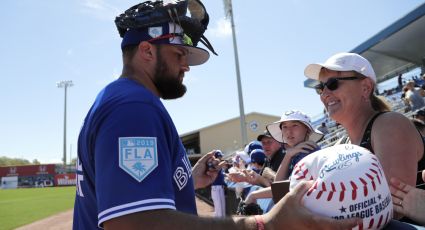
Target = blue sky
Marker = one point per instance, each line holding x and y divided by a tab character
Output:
44	42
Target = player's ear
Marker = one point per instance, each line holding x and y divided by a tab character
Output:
146	51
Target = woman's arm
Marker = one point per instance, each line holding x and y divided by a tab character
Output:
398	146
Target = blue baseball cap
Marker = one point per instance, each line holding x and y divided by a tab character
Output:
166	33
258	156
252	145
218	154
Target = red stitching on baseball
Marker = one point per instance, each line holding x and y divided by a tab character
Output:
379	179
341	194
371	222
319	194
299	178
376	165
312	188
377	176
331	193
354	192
323	186
380	221
364	186
373	185
361	226
330	196
386	218
303	176
297	169
370	176
371	180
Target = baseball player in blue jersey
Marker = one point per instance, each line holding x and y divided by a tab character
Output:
132	169
217	190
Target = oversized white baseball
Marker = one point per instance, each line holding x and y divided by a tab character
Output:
348	182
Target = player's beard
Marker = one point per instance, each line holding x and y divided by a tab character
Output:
168	85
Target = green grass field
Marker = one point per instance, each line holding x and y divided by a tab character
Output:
23	206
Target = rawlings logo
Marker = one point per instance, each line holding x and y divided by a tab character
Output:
343	161
138	156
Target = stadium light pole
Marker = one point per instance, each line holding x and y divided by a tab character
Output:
65	85
229	14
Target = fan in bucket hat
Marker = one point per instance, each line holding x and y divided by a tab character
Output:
294	115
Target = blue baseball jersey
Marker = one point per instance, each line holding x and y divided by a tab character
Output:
130	158
219	180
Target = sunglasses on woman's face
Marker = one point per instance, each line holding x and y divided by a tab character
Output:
332	83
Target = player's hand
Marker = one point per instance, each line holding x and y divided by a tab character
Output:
408	201
205	170
303	147
289	213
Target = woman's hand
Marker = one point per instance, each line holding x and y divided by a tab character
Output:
408	200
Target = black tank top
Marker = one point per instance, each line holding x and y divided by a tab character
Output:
367	143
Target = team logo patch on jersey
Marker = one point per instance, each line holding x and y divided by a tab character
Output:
138	156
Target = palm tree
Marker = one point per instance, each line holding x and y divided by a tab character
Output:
139	167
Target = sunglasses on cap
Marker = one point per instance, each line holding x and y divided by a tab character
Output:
185	40
332	83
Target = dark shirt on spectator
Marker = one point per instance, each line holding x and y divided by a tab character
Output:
277	158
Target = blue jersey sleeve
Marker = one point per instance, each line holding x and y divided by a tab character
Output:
133	162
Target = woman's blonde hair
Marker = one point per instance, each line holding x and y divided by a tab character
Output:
379	103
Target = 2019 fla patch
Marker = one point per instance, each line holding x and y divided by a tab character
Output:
138	156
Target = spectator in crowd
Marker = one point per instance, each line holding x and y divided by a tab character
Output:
347	82
323	128
295	130
258	158
408	106
273	149
400	81
413	96
217	190
408	200
251	146
420	115
274	152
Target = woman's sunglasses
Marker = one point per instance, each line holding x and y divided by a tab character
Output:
332	83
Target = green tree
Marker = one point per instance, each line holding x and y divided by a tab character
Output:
35	162
74	161
7	161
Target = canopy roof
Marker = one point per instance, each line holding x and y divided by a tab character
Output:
396	49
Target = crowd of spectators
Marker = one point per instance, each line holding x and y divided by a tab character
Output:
270	158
